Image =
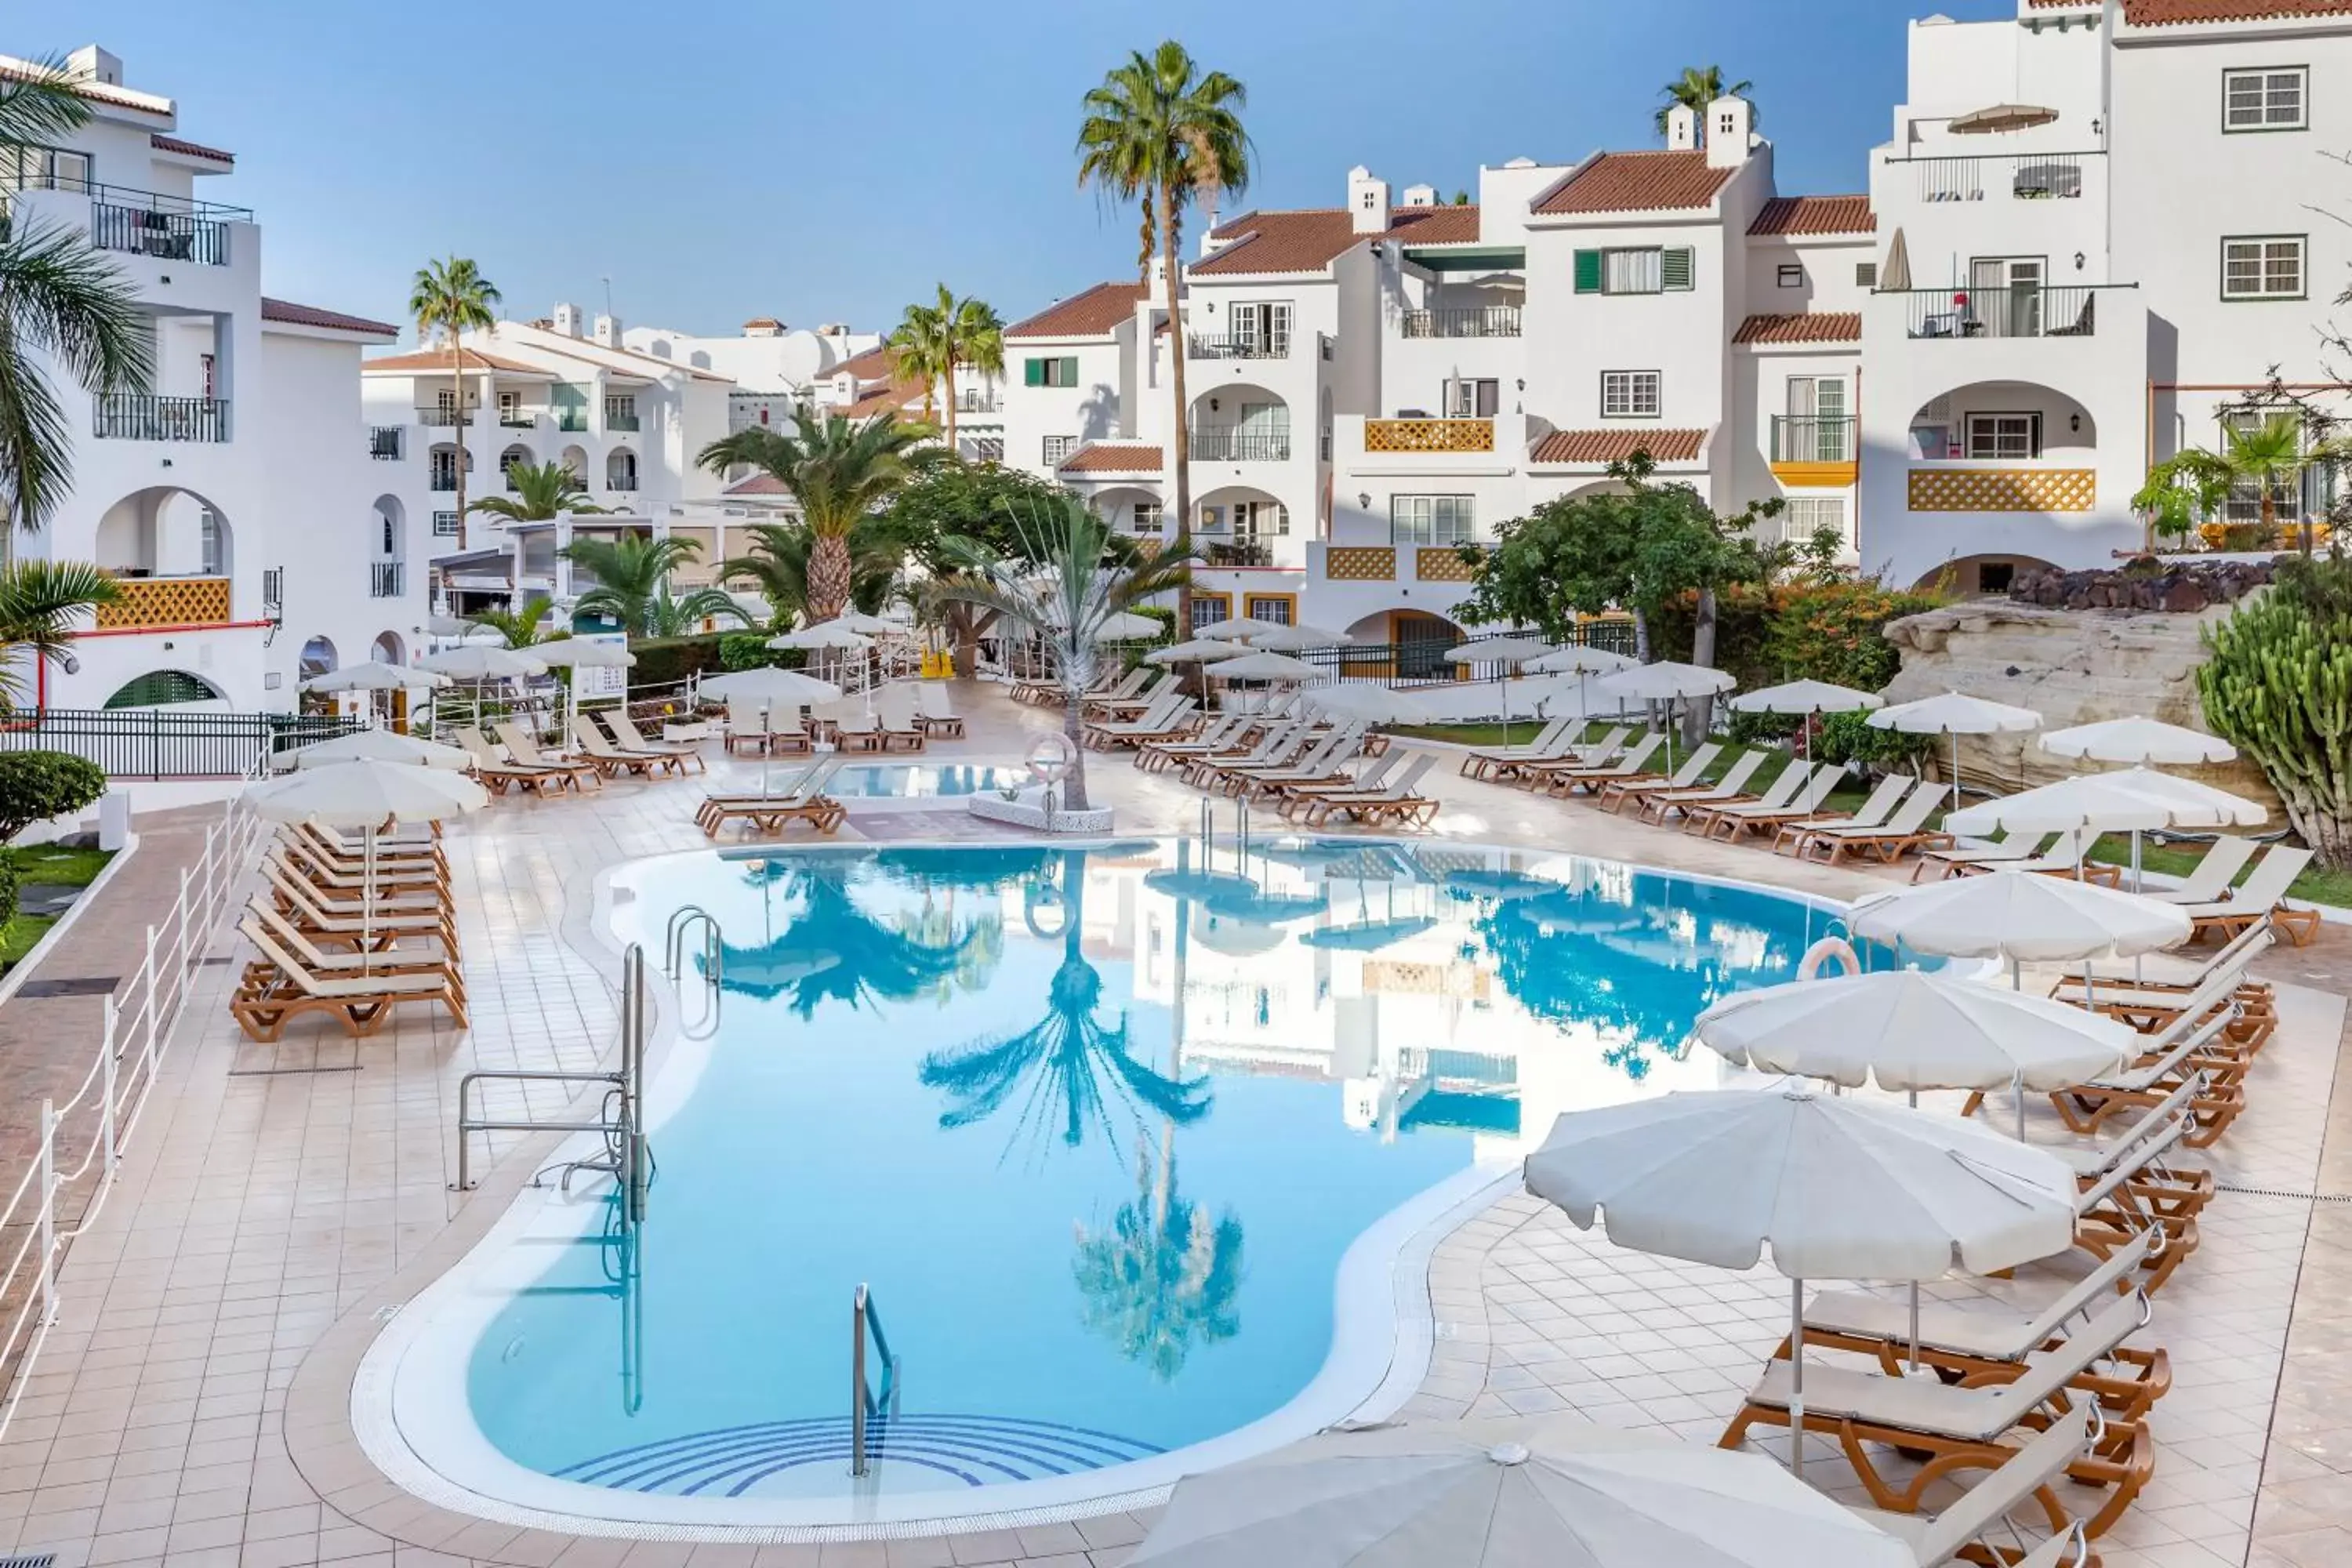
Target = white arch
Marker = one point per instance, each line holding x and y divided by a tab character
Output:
164	530
392	528
389	649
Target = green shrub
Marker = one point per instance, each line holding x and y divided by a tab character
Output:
746	650
10	880
38	786
665	661
1797	631
1848	738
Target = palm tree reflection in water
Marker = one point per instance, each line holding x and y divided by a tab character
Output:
833	951
1162	1277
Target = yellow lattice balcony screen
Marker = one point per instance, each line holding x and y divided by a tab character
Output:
1442	564
1429	435
2003	490
167	602
1359	564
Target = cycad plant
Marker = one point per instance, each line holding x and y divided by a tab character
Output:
449	298
59	301
631	574
1067	578
536	492
41	607
777	565
837	471
1162	131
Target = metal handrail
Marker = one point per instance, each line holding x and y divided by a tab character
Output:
864	1402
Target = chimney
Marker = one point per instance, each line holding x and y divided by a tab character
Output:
763	327
1368	201
1730	125
567	319
91	63
1421	195
608	331
1682	129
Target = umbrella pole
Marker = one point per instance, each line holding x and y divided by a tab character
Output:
1915	1308
767	747
367	900
2017	1087
1796	1378
1956	770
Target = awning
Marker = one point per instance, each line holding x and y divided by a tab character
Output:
1467	257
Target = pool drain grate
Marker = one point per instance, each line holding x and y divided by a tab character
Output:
29	1560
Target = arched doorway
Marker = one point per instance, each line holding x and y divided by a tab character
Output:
575	458
1240	423
161	687
621	470
513	458
1975	576
1414	642
388	649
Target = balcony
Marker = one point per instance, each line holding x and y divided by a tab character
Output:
2004	176
443	479
1814	450
979	402
165	236
622	417
574	419
1238	552
2069	310
1961	485
387	443
142	416
1464	322
153	603
518	418
445	418
1276	347
387	579
1429	435
1228	443
620	481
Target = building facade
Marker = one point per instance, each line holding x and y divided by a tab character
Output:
232	495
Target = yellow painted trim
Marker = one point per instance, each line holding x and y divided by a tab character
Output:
1817	476
1250	602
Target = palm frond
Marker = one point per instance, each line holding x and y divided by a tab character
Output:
41	107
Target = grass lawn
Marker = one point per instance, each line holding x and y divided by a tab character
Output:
57	867
1486	734
2317	883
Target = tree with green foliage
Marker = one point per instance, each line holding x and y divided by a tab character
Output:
1697	87
2268	454
1161	132
631	588
931	342
538	492
518	628
38	786
449	298
2277	683
837	471
42	603
62	301
959	500
777	565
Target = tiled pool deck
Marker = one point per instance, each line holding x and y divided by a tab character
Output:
280	1201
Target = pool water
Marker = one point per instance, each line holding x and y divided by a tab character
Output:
918	780
1096	1126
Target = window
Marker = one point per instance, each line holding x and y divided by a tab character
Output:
1647	270
1466	399
43	169
1255	519
1790	275
445	525
1208	609
1808	515
1432	519
2004	435
2262	267
1629	395
1815	429
1274	609
1057	448
2293	496
620	411
2268	98
1147	517
1865	274
1061	370
1260	330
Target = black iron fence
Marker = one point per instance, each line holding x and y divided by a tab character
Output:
2005	311
1464	322
1429	659
169	237
142	416
159	744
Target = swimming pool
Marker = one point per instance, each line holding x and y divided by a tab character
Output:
859	781
1125	1141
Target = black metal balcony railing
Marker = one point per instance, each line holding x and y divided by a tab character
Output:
168	236
444	480
159	744
1238	552
2069	310
1464	322
1276	347
978	402
518	418
445	418
1812	439
386	579
140	417
620	418
125	196
2000	176
387	443
1232	445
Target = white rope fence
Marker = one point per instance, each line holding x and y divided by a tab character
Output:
98	1119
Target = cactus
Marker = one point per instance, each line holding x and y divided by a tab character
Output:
2277	682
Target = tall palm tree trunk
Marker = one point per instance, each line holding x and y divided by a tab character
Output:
828	576
1074	788
948	375
1179	443
458	381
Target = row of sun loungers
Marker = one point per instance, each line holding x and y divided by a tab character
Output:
348	936
518	761
903	717
801	798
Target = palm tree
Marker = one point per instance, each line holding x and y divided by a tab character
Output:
518	628
1087	580
536	492
837	470
1697	87
452	297
1159	130
59	299
976	336
2269	453
41	603
631	574
918	347
778	566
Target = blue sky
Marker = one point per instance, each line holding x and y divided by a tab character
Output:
793	158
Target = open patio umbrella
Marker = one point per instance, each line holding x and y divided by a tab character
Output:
1554	1492
447	625
1954	714
826	636
1199	650
478	664
1370	704
581	653
2001	117
1125	626
1290	639
1510	652
1583	662
1241	626
381	746
2018	916
1668	683
2129	800
769	685
1256	666
1805	699
1837	1188
371	675
858	621
2149	742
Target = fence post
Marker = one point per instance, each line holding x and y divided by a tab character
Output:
48	1212
147	976
154	742
107	1070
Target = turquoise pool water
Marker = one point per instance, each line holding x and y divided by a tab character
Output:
1098	1127
917	780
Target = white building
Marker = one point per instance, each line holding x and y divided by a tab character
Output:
232	494
775	368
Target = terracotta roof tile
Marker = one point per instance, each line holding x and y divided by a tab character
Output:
1812	327
96	91
1815	214
900	393
1310	239
295	315
2177	13
1596	448
1101	457
162	144
1090	314
1636	182
763	484
871	365
432	361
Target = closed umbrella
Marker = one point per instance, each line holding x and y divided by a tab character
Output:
1668	683
1837	1188
2146	742
1553	1492
1895	272
381	746
1956	715
1805	699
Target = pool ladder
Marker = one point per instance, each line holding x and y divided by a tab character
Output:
685	924
866	1402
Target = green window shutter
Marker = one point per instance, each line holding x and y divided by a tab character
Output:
1070	370
1587	272
1675	267
1033	372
